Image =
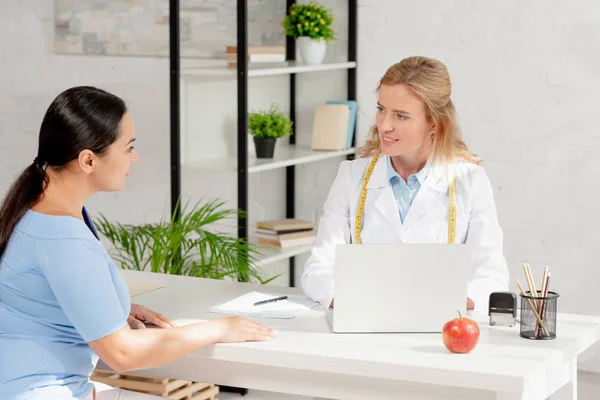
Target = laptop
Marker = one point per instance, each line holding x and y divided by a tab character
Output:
398	288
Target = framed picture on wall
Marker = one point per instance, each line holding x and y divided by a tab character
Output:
141	27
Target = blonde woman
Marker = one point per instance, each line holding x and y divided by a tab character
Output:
403	170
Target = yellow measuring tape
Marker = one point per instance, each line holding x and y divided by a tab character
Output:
451	201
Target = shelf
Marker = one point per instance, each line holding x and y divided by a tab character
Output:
292	155
285	156
272	255
266	69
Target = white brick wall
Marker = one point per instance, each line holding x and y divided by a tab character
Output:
527	88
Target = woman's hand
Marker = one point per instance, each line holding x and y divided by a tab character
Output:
140	315
238	329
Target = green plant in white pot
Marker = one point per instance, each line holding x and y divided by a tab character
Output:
311	25
266	127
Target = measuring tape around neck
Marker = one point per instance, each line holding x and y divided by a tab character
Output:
451	201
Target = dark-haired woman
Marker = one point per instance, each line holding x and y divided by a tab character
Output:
63	303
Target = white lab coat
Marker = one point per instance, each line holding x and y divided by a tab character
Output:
425	222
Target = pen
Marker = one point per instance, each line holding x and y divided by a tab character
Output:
258	303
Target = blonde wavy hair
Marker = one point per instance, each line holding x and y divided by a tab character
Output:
429	80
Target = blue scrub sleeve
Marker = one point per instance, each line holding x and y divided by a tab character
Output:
79	275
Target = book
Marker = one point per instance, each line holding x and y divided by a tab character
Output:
301	241
286	224
330	127
232	58
257	50
271	232
285	236
352	123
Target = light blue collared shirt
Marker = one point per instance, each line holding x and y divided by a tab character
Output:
405	192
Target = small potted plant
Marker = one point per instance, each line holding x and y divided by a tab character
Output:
266	127
311	26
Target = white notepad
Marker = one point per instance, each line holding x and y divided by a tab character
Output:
243	305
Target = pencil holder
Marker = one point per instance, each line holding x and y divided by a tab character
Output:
544	307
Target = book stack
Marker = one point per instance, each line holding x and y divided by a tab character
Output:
256	54
333	125
285	233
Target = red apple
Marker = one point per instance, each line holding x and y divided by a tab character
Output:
460	335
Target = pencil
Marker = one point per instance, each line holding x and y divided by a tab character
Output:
530	282
546	290
542	302
532	290
533	309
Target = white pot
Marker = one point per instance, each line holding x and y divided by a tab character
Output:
311	51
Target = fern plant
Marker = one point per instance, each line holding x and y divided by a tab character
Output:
186	246
270	124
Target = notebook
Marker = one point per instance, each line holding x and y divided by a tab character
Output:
293	306
353	108
330	127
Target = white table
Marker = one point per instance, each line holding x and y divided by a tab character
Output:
308	359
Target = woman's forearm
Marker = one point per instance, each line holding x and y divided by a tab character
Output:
128	349
155	347
131	349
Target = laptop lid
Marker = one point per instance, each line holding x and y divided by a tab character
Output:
399	287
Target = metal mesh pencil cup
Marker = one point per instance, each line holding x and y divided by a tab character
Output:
543	306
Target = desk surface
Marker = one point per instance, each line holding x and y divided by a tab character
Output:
502	361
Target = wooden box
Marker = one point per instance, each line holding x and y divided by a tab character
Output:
165	387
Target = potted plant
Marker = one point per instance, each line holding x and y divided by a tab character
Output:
266	127
311	26
188	246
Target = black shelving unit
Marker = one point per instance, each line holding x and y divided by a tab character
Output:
290	172
242	109
175	132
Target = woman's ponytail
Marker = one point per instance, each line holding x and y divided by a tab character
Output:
22	195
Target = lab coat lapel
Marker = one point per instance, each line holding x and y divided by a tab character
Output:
434	187
384	202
